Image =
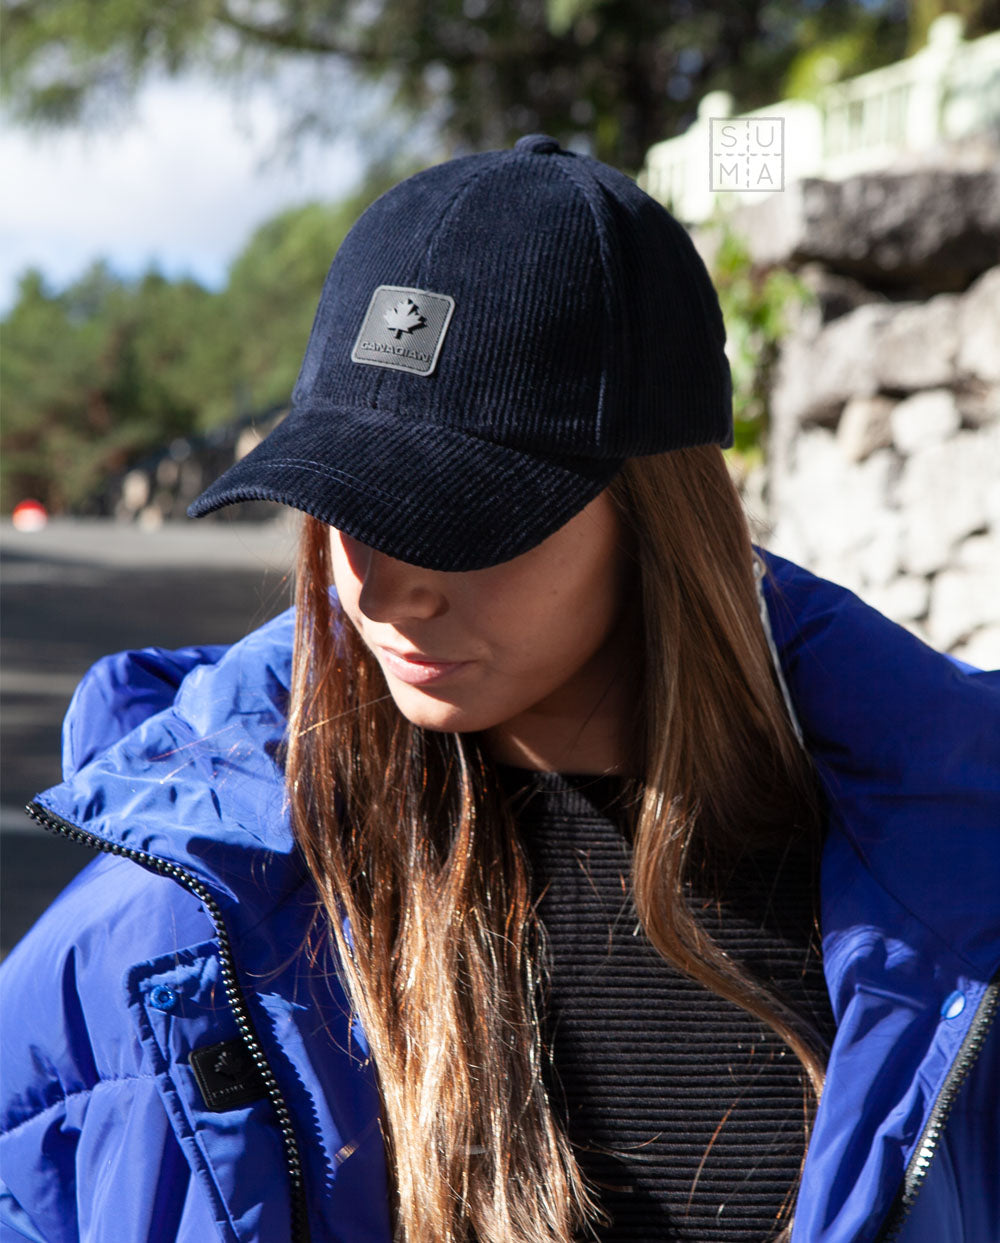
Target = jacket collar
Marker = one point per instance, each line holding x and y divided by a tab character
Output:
192	774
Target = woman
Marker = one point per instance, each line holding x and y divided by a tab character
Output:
484	909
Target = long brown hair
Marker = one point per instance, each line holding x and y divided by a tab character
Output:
410	843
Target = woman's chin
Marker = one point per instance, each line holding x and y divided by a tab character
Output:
430	712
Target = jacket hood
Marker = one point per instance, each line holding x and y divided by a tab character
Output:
178	755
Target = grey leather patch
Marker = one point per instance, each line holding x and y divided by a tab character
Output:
403	329
226	1075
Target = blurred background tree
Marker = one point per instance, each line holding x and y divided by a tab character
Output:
756	306
99	373
108	370
612	75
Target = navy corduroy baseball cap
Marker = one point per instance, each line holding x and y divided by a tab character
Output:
496	335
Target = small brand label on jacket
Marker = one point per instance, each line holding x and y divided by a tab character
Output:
226	1075
403	329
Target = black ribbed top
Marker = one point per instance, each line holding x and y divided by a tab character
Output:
686	1113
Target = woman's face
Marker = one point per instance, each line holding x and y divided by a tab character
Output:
533	651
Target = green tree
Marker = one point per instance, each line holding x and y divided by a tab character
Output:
831	56
616	75
109	371
97	375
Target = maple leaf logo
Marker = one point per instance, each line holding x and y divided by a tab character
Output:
404	317
230	1063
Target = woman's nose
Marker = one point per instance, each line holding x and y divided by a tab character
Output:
395	591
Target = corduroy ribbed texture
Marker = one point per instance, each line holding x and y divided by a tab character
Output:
585	330
685	1111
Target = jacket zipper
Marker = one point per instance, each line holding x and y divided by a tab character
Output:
923	1155
234	994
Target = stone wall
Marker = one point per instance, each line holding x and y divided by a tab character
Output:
883	468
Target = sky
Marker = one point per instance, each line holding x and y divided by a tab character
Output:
182	183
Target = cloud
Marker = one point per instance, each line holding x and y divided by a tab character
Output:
181	185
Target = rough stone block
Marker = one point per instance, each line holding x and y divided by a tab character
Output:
945	493
842	570
928	418
978	403
818	373
993	490
980	552
904	599
825	510
786	539
904	347
804	499
917	346
864	427
979	329
879	560
925	230
835	295
982	648
962	601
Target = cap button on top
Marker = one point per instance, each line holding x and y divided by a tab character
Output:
537	144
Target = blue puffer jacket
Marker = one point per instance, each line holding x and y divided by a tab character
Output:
179	1066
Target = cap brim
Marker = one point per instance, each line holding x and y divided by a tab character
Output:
429	495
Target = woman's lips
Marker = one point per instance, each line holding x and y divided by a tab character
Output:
418	670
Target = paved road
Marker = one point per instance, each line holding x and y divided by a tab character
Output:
72	593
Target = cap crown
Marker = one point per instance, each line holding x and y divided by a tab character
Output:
583	320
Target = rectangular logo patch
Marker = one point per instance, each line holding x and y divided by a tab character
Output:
403	329
226	1075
